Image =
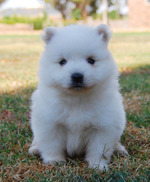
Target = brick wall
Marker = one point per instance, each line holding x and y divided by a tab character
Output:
139	13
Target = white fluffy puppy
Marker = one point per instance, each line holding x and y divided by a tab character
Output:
77	107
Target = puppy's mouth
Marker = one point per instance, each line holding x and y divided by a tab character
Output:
77	86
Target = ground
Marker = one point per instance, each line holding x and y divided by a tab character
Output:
19	55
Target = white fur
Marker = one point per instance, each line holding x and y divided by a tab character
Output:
89	120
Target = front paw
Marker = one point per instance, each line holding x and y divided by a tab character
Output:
34	150
121	149
101	164
52	160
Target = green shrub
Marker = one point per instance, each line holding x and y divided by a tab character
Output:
113	15
76	14
38	22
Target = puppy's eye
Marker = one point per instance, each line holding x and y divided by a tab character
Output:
90	60
63	62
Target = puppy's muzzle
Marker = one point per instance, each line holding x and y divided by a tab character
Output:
77	80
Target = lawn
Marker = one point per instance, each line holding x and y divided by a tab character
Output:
19	55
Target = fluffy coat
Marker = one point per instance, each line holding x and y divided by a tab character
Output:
68	120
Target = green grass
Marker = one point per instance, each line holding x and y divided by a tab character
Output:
19	55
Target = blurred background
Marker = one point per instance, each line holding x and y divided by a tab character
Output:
30	15
21	22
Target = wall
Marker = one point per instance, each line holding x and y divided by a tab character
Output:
139	13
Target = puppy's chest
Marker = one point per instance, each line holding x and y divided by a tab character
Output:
79	117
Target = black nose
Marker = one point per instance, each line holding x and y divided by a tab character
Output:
77	78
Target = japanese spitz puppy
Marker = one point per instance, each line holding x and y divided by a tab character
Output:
77	108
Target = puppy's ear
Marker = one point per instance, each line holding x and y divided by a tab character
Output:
105	33
48	33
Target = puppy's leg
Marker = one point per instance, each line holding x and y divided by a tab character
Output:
50	139
99	149
51	143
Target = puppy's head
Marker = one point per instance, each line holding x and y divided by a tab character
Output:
76	57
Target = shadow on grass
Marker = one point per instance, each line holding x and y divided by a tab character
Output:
135	86
14	123
16	104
